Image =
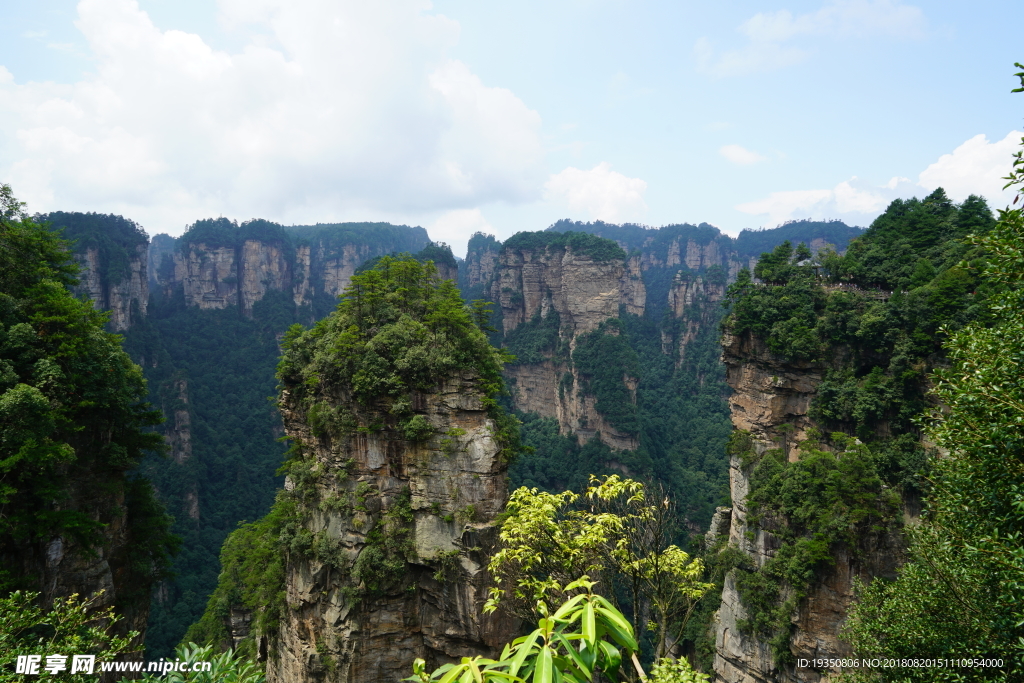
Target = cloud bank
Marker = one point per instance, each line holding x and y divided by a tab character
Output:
601	193
330	108
975	167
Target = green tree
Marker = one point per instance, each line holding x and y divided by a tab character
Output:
961	594
585	637
73	419
612	531
224	667
72	626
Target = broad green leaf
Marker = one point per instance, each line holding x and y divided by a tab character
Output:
589	624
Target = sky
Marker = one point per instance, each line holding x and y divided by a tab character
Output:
464	116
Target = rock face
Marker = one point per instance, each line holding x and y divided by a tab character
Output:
126	297
695	302
477	271
215	275
768	393
437	501
531	284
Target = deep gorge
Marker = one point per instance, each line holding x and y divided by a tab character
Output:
648	353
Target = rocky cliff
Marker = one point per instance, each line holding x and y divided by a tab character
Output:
770	402
218	263
112	255
567	290
694	302
477	271
436	502
126	297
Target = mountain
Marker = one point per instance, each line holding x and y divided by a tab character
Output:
830	368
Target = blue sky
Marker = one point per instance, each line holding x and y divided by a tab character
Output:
466	115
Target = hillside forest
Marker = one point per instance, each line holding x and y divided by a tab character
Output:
338	452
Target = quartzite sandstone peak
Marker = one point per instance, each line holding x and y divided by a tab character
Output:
770	393
449	489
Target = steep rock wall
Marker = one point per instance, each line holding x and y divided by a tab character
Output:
209	275
441	496
771	398
583	292
480	266
696	303
263	267
126	298
531	284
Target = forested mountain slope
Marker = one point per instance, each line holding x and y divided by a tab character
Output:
829	361
75	517
645	368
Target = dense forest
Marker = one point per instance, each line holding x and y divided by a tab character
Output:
218	366
909	305
913	328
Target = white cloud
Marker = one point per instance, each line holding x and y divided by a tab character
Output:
740	155
767	33
602	193
975	167
332	110
456	227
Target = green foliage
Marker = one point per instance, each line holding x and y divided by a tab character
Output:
252	576
680	415
73	420
554	461
875	349
381	565
331	239
397	329
222	232
536	340
755	242
440	253
581	243
114	237
217	368
605	361
225	667
666	670
72	626
611	530
914	250
417	428
586	636
823	501
960	593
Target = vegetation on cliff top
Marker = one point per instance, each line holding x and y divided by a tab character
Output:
114	237
398	329
581	243
73	420
873	321
961	594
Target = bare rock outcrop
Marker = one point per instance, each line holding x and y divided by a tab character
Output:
531	284
583	291
125	295
770	400
436	500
